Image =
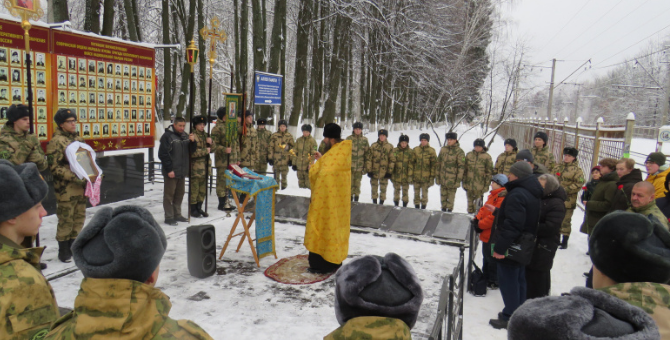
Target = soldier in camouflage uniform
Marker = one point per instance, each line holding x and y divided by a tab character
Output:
425	166
571	177
200	164
279	153
264	136
117	298
541	152
359	149
450	167
248	142
478	173
224	155
71	202
27	303
305	148
403	170
507	158
379	167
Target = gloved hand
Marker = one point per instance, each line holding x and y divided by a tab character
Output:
370	174
271	162
388	175
475	226
295	168
290	163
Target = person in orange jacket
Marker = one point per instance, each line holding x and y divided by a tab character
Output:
483	223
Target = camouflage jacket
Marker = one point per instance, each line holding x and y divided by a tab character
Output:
504	161
280	144
66	183
544	157
571	177
478	172
248	147
651	209
403	165
425	164
305	147
653	298
27	303
359	149
371	328
263	145
450	166
200	159
322	147
219	145
19	148
123	310
378	159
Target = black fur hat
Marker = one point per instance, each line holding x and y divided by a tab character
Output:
261	121
221	112
283	122
358	125
62	115
21	188
306	127
451	135
199	120
511	142
570	151
16	112
404	138
479	142
424	136
543	135
332	130
377	286
248	113
383	132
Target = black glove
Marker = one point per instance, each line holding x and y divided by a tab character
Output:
271	162
295	168
388	175
370	174
475	226
290	163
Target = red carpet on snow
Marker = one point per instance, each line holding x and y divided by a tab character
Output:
293	271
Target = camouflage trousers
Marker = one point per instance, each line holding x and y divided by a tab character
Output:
421	193
71	216
221	181
447	195
472	197
401	187
356	177
566	226
379	186
281	175
261	168
303	179
198	189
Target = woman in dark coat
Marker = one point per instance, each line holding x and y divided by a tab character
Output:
663	203
552	213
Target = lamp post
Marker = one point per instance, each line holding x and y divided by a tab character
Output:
191	59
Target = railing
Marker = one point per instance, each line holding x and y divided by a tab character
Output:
647	132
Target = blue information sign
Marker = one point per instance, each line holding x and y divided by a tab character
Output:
267	88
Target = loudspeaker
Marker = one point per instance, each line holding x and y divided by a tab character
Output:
201	250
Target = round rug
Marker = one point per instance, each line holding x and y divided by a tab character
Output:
293	270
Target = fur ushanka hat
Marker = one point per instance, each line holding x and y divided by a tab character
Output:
21	188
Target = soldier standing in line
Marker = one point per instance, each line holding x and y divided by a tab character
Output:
224	155
305	148
359	149
507	158
571	177
69	189
541	152
403	170
425	164
200	163
478	173
379	167
278	154
248	145
450	167
264	136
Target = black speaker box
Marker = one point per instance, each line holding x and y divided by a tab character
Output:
201	250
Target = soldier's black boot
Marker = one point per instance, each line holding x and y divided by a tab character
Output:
374	201
241	197
423	206
64	253
564	243
449	210
202	212
381	202
396	203
444	209
416	206
222	203
356	198
404	204
194	211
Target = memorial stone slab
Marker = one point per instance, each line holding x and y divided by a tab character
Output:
369	215
451	226
411	221
292	207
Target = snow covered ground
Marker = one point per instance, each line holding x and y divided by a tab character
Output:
239	302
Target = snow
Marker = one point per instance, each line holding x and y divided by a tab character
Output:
239	302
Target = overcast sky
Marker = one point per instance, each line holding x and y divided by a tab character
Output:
606	31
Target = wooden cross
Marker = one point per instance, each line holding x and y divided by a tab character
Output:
214	34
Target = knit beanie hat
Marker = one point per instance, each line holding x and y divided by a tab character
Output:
524	155
404	138
542	135
62	115
656	157
500	179
358	125
283	122
21	188
451	135
121	243
585	314
521	169
16	112
479	142
377	286
383	132
511	142
630	247
332	130
570	151
424	136
306	127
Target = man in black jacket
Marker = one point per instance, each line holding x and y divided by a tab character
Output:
628	177
518	214
174	155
